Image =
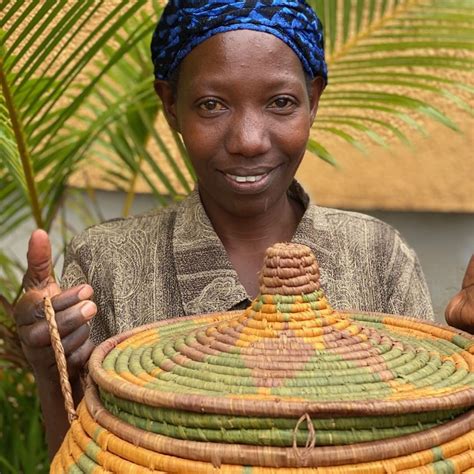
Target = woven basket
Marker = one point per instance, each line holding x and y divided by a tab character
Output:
288	385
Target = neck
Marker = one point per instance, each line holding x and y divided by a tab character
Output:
255	233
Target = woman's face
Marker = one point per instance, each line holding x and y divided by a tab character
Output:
244	112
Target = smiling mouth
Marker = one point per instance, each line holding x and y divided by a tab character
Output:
246	179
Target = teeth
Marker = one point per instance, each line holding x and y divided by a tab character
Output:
246	179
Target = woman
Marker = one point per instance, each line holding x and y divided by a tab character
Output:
240	81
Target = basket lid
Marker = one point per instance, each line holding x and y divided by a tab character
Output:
290	353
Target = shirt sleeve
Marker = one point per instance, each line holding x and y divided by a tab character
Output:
74	272
77	270
409	294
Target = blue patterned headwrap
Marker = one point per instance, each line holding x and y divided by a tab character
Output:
187	23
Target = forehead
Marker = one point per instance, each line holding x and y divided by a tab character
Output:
241	55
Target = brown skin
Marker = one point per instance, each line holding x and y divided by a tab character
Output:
237	112
73	309
244	114
460	310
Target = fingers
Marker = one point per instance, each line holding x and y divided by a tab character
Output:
77	349
30	307
74	341
69	321
453	310
39	273
79	358
72	296
460	310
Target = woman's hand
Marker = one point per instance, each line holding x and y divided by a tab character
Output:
73	308
460	310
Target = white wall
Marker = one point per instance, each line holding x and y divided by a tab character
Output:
444	242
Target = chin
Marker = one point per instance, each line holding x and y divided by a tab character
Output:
250	205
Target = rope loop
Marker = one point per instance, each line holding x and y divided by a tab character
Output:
303	453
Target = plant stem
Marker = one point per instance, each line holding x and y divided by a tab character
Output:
127	206
22	149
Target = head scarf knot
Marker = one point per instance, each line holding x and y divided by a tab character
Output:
187	23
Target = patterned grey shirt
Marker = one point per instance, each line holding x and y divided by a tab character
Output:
170	263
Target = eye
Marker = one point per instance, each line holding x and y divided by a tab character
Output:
283	103
211	105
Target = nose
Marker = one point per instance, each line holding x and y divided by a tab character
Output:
248	134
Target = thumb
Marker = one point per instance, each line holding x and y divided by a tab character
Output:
39	274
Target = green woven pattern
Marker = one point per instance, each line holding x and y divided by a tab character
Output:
365	360
89	447
270	431
372	360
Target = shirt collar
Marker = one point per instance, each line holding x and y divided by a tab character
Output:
216	287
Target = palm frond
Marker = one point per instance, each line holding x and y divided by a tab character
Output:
122	114
45	48
394	62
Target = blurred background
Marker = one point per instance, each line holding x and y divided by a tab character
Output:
83	140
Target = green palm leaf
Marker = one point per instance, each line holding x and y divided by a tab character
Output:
43	86
122	113
127	107
390	61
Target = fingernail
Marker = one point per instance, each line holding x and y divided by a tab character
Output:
88	309
84	292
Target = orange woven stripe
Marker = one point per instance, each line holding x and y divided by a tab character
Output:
105	457
460	445
459	361
67	461
129	377
419	328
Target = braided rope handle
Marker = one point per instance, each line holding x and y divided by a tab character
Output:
60	360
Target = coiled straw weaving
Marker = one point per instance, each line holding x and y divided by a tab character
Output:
287	386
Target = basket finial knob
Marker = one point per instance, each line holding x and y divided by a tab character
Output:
289	269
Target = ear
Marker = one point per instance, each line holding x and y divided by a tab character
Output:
168	98
317	86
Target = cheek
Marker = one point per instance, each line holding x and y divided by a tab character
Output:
198	138
293	139
200	141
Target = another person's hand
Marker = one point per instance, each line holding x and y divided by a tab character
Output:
73	309
460	310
